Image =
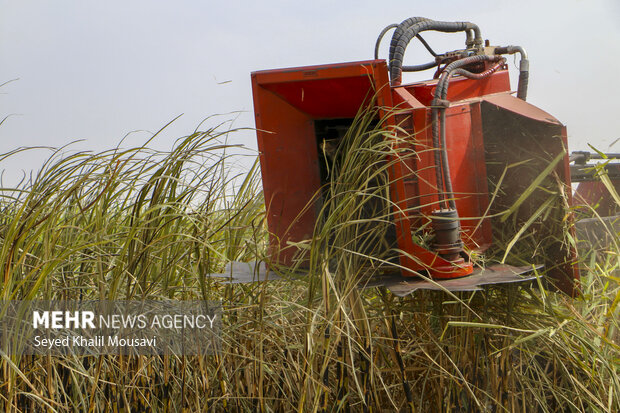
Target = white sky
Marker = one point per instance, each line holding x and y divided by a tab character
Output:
99	70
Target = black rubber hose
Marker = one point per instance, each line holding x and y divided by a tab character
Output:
469	39
442	84
426	45
402	28
444	152
439	169
383	32
418	68
400	40
438	112
524	75
524	68
478	76
444	161
406	68
405	38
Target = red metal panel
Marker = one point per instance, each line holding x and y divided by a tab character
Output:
462	88
328	71
397	173
517	131
326	98
286	103
288	157
595	194
416	124
468	173
508	102
479	230
428	191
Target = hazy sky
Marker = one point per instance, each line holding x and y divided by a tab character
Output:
99	70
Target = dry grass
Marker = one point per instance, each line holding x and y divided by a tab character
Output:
133	224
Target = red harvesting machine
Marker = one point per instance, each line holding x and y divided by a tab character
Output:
488	168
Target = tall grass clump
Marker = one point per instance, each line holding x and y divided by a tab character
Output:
140	224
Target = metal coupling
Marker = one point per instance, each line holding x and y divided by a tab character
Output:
446	226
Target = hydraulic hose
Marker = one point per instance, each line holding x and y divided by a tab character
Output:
426	45
439	166
402	28
444	161
469	39
478	76
383	32
442	84
418	68
524	75
438	119
406	68
524	68
396	59
425	66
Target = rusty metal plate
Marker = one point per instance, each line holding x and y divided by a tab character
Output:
245	272
494	274
248	272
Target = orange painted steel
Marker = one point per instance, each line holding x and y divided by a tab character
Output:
289	102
